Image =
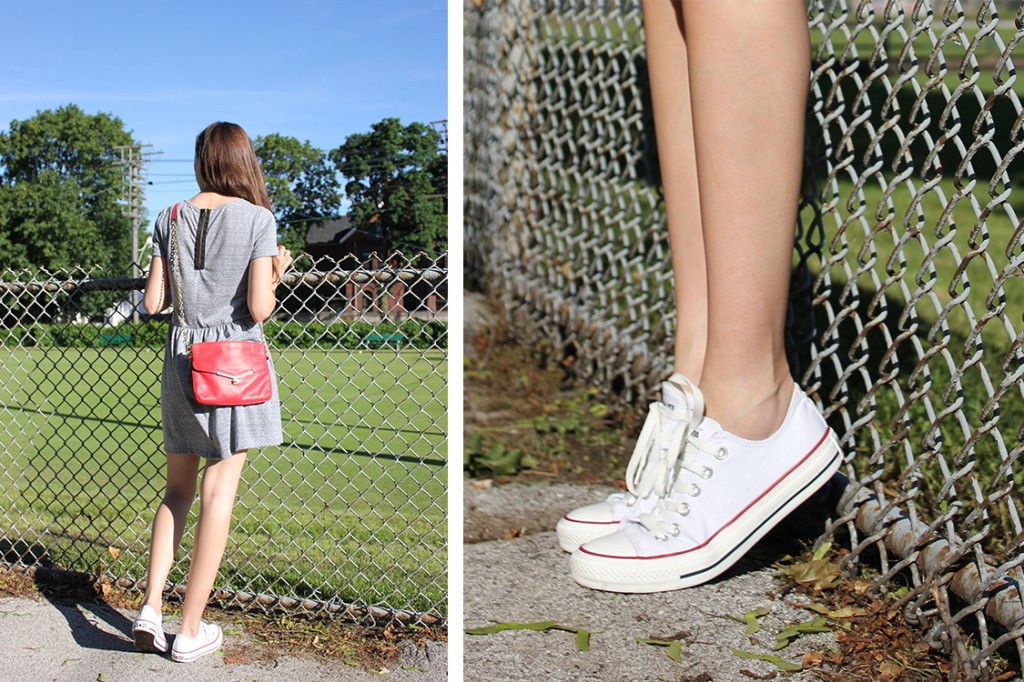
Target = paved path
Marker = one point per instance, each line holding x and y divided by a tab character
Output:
526	579
42	641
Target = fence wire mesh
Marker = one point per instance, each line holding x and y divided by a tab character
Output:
347	517
906	300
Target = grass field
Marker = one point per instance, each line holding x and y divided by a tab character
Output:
351	507
871	247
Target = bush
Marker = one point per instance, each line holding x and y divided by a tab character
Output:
153	334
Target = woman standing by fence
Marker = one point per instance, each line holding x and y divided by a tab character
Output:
217	255
728	86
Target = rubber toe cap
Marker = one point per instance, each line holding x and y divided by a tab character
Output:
617	545
598	512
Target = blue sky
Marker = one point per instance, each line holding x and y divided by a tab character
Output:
314	70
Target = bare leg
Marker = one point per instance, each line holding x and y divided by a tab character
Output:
670	95
748	67
169	524
217	499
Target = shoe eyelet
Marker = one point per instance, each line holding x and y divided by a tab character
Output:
707	473
721	454
675	530
694	490
684	509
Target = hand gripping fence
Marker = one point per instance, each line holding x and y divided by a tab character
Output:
905	321
347	518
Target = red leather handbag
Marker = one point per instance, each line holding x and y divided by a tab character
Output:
230	373
225	373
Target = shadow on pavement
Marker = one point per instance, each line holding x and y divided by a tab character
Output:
73	595
800	529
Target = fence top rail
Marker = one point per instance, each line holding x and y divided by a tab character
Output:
361	276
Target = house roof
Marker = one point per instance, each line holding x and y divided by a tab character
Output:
332	232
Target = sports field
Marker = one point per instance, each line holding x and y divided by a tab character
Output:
351	507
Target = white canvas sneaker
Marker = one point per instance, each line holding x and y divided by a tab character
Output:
188	649
727	494
650	469
148	631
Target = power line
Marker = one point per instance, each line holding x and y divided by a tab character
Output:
134	161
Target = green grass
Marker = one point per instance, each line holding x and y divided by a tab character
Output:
862	46
351	507
917	227
941	453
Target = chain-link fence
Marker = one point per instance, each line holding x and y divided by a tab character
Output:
347	517
906	299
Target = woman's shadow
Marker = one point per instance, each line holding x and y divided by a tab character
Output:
93	623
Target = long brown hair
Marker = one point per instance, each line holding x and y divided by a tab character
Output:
228	165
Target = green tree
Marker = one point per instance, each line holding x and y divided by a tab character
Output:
60	188
302	185
392	174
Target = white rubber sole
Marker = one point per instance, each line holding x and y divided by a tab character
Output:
572	534
148	639
701	564
193	654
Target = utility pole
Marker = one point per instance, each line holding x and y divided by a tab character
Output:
134	161
442	128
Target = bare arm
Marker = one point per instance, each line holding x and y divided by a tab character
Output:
264	276
156	297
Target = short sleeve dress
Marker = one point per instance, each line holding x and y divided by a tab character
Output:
215	247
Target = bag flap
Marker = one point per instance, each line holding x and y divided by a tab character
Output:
232	357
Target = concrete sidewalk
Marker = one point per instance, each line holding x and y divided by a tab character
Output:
77	642
526	579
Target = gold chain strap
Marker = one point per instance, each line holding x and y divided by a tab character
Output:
179	300
179	306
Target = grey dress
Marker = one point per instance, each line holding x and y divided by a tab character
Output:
215	283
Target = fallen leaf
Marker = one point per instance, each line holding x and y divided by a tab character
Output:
779	663
889	670
673	650
114	552
847	612
583	640
861	586
812	659
791	632
822	574
750	619
501	627
582	635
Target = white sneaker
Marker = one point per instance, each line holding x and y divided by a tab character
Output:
650	469
188	649
727	494
148	631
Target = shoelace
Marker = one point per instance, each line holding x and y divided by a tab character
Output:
645	476
696	448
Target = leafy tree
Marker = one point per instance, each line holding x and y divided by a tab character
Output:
60	188
303	186
392	183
